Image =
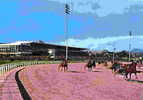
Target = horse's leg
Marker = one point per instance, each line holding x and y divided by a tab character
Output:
64	68
89	69
115	72
126	74
130	75
59	68
136	75
85	67
92	68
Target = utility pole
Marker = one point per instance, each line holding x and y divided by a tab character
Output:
130	34
67	12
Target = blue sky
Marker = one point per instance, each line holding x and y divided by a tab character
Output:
94	24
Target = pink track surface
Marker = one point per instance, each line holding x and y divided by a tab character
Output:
43	82
8	86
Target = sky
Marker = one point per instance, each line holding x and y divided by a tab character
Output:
93	24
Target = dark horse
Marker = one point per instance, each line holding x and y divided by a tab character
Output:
90	64
129	69
116	67
63	66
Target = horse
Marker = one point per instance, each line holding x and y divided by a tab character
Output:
90	64
93	64
129	69
63	66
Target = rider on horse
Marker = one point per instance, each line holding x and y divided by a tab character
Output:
63	65
131	68
125	68
90	64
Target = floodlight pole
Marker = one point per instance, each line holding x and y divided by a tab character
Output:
114	54
113	57
130	34
66	33
66	28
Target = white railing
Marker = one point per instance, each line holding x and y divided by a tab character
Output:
7	67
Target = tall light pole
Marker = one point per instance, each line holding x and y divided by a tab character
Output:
130	34
114	54
67	12
113	57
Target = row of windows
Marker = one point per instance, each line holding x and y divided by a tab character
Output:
8	49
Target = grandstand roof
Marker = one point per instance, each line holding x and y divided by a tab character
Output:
41	42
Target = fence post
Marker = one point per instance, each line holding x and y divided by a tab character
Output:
7	68
1	70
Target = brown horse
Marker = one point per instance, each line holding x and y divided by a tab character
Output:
63	66
129	69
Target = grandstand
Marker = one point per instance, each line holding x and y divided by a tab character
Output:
39	49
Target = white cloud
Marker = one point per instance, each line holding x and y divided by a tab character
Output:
104	43
104	7
136	0
96	7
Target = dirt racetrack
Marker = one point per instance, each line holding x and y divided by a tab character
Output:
43	82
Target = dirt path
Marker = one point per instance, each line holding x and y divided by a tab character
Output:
43	82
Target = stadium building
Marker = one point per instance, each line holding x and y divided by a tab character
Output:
40	49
